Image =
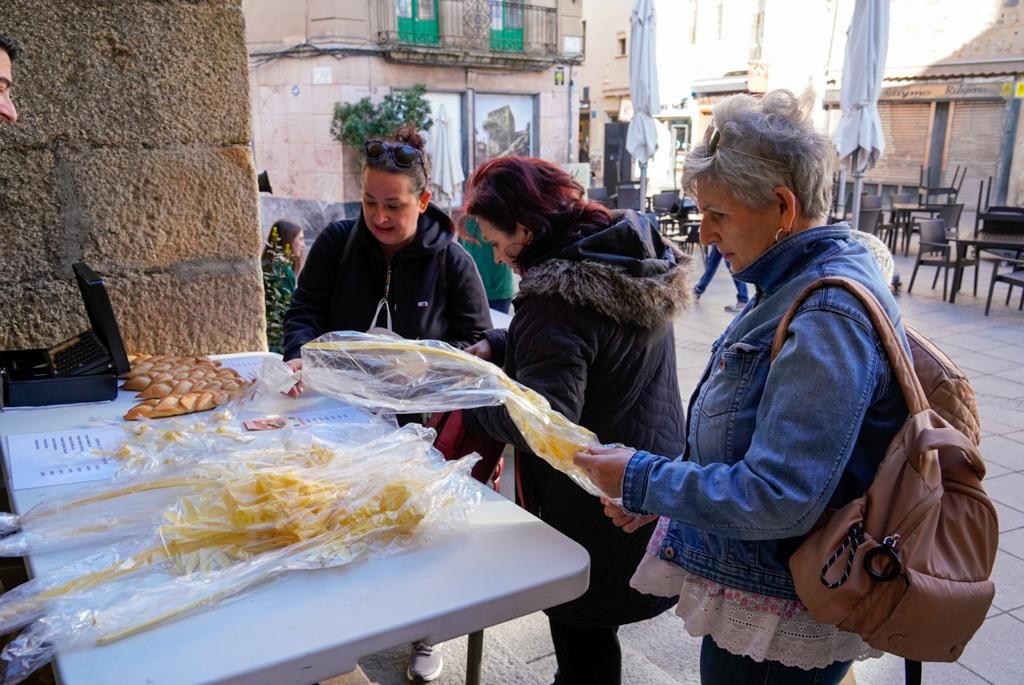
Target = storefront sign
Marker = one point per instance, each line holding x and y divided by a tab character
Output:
927	92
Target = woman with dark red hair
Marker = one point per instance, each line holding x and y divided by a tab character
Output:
592	333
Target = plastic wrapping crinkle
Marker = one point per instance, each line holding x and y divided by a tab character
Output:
429	376
135	503
157	443
229	524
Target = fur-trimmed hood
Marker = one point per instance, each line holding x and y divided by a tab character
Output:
643	301
625	272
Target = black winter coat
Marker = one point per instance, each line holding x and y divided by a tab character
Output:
435	291
592	333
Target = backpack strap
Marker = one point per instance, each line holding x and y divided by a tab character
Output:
911	672
913	393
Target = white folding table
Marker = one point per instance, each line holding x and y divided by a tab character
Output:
314	625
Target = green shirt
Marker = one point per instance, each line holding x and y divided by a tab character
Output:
497	278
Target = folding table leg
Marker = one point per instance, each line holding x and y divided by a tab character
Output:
474	657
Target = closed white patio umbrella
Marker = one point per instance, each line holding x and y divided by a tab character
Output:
642	135
446	155
858	138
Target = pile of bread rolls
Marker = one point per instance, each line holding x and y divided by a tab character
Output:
171	385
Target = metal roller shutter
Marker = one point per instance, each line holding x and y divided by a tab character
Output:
974	142
905	126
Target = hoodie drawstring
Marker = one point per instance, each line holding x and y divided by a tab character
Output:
383	304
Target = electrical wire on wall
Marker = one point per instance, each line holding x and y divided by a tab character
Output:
307	49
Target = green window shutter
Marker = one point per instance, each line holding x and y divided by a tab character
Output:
506	26
417	21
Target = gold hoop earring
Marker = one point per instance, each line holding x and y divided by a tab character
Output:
782	229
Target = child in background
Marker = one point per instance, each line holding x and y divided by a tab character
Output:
281	262
290	236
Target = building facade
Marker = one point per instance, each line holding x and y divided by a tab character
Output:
131	154
950	99
501	71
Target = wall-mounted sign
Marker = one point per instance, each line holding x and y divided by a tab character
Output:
625	109
572	45
322	76
560	76
928	92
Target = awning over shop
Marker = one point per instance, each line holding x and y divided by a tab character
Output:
722	84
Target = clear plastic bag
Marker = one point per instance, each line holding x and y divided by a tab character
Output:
429	376
134	504
234	523
157	443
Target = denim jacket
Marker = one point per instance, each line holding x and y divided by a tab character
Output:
771	445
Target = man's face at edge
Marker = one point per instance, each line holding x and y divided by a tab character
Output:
7	111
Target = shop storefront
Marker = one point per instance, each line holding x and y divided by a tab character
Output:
933	129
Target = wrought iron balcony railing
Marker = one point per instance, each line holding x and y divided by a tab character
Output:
493	29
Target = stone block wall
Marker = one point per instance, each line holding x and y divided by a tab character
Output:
131	153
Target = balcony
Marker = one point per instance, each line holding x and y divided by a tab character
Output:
469	33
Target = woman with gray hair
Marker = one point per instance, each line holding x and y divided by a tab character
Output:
771	444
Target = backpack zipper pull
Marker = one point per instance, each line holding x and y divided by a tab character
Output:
892	566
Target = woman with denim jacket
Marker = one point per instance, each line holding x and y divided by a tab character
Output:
770	444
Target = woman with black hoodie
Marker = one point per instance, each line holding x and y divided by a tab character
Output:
593	334
397	266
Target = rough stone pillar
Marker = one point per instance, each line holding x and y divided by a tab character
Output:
131	153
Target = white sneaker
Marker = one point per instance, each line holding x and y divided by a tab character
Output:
425	663
735	308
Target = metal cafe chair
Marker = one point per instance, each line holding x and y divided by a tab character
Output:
869	220
1014	277
663	205
598	194
628	197
937	250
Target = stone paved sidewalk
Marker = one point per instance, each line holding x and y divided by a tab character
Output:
658	652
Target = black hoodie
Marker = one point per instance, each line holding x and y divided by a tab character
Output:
435	291
593	334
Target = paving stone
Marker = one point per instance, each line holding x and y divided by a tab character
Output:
998	449
1008	490
1005	412
993	469
971	340
500	665
663	640
1008	575
1009	518
1015	374
1011	352
1012	333
889	669
992	427
529	636
994	652
1013	542
356	677
995	387
979	363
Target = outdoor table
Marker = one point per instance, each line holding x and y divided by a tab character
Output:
313	625
903	215
985	240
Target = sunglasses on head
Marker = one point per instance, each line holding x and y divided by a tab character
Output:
713	139
713	143
402	154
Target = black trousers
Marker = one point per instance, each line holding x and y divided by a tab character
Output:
586	656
